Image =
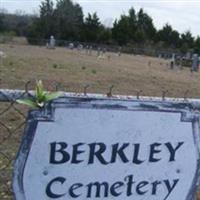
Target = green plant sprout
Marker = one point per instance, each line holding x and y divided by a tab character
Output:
40	98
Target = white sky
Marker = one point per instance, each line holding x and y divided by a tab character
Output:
181	14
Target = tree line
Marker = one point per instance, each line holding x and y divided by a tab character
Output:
15	24
66	21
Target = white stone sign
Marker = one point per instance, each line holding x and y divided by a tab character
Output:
87	148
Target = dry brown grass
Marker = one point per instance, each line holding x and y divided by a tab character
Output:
73	70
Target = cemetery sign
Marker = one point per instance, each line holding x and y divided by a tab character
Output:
98	148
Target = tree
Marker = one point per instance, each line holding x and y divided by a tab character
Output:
94	31
169	36
105	35
2	25
145	27
66	22
34	31
197	45
134	28
46	23
92	27
69	20
187	39
121	30
132	24
124	29
16	24
175	39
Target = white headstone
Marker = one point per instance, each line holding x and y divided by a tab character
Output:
52	42
71	46
2	56
173	61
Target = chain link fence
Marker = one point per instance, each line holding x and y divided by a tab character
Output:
12	121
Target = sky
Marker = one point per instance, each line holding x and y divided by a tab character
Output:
183	15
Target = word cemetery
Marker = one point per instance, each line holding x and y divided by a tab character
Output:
109	149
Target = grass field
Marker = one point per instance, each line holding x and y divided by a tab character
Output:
71	71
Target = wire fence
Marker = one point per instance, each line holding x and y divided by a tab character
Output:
136	49
13	119
12	122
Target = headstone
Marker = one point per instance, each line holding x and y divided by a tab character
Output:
99	148
2	56
101	53
52	42
173	61
119	52
71	46
195	63
80	47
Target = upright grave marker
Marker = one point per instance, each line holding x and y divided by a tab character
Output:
96	148
173	61
195	62
52	42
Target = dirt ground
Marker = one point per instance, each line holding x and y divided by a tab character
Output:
71	70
